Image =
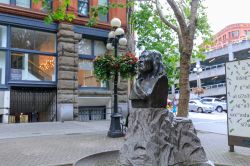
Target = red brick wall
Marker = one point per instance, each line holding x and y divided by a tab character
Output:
35	12
119	12
222	38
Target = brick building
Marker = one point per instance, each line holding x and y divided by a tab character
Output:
46	71
233	33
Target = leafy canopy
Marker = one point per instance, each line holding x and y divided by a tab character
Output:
154	34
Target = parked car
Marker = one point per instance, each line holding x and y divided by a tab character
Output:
197	106
216	103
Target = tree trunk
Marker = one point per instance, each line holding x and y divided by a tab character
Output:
184	84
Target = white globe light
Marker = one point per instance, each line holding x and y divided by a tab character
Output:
123	41
119	31
115	22
199	70
195	69
111	34
109	46
197	66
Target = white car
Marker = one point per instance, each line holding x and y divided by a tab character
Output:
197	106
216	103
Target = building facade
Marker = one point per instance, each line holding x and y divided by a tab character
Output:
212	78
46	71
233	33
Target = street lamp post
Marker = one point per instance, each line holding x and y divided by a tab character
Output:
198	70
115	38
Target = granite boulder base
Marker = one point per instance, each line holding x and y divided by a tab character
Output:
154	136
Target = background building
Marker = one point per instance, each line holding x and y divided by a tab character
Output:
231	44
46	71
233	33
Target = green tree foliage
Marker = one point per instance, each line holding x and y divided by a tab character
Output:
60	14
188	20
154	34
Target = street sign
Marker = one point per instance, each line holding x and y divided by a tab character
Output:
238	103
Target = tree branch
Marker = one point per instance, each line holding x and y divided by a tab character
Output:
193	18
178	14
163	18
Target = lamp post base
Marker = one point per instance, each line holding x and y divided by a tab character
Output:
115	130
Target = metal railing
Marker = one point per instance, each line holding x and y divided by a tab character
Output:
214	86
206	68
208	87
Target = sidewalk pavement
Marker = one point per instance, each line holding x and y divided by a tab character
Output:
43	144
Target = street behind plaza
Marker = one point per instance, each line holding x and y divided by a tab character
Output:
215	122
60	143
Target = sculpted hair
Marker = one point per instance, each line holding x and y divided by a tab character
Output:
158	68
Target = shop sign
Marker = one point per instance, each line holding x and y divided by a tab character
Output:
238	102
16	74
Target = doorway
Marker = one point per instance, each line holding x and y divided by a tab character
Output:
32	104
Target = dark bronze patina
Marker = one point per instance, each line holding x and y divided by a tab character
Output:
151	86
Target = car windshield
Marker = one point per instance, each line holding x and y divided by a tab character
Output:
196	102
217	100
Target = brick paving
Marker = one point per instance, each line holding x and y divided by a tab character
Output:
54	150
217	150
68	142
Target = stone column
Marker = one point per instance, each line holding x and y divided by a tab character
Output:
123	90
67	86
123	96
230	52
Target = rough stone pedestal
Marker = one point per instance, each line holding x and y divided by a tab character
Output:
156	138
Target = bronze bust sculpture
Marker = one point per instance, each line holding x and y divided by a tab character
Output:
151	86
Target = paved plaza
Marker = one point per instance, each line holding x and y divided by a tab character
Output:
43	144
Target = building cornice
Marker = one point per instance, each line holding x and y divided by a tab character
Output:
35	14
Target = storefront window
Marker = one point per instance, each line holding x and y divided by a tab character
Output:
2	67
32	67
99	48
91	48
33	40
85	47
23	3
86	76
83	7
3	36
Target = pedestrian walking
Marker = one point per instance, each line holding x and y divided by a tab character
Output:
174	109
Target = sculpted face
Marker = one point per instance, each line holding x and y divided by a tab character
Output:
145	63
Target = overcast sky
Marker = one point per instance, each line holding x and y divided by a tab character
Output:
224	12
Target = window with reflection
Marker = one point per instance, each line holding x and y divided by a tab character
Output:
86	76
99	48
85	47
103	17
2	66
48	6
32	67
83	8
5	1
33	40
88	50
23	3
3	36
91	47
